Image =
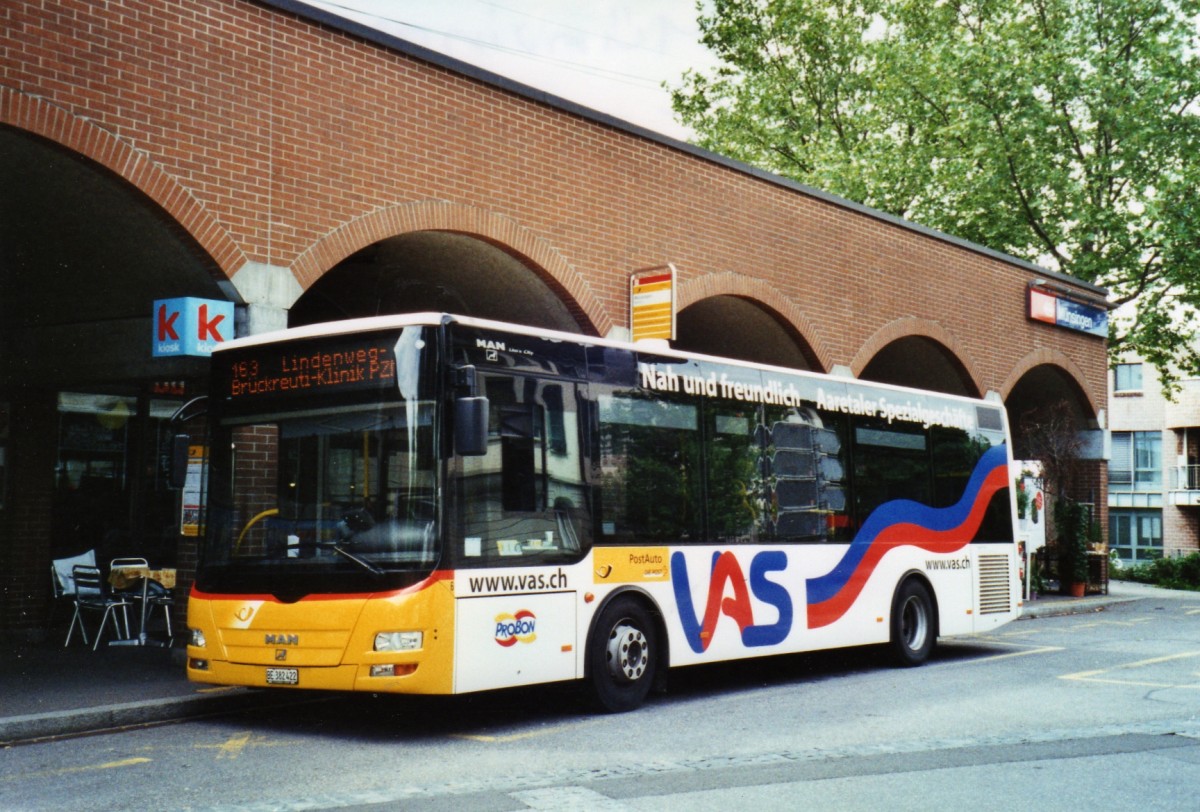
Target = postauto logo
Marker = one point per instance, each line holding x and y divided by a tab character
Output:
516	628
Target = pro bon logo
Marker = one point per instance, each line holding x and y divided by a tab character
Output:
516	628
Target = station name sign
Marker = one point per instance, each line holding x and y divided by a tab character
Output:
1048	306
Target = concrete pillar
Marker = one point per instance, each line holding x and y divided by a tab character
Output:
269	291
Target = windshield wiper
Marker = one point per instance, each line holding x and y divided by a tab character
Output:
342	551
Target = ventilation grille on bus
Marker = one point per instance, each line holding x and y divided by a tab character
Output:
995	592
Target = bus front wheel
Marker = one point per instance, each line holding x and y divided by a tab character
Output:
622	656
914	624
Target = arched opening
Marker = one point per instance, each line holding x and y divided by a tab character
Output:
436	271
733	327
1057	440
84	254
1044	387
920	362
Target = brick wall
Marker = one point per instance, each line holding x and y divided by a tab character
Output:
275	140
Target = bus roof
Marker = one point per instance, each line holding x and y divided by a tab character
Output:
431	318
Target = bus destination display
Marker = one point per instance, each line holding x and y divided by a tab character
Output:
295	369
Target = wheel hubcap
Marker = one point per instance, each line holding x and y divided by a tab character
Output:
628	653
914	624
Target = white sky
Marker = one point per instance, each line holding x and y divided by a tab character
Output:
610	55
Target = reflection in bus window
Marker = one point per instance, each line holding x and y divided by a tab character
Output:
733	496
651	477
891	461
808	472
364	477
524	501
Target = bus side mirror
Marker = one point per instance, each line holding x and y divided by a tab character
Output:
179	460
471	426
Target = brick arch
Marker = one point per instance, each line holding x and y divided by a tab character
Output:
438	215
40	117
1049	357
909	327
728	283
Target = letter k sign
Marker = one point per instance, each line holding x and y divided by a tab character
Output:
191	326
206	328
166	323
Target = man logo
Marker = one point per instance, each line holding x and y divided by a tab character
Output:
282	639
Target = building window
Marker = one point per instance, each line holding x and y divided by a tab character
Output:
1136	535
1136	460
1127	378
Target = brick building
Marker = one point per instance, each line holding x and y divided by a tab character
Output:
305	168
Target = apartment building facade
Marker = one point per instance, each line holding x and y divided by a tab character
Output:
1154	470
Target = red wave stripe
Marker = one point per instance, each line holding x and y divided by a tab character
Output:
906	534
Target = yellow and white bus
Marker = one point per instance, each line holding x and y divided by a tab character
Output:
433	504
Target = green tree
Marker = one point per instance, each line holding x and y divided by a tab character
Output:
1064	132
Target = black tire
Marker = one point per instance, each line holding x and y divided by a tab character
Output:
622	656
914	624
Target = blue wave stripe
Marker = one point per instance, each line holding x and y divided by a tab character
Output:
904	511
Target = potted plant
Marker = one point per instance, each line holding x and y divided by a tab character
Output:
1071	523
1037	584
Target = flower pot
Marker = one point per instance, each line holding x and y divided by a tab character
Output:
1078	588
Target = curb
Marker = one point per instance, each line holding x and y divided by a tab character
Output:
1081	606
35	726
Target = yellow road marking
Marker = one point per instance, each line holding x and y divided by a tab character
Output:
1094	675
232	747
87	768
1025	652
1122	623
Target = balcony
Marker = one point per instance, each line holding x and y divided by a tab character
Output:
1185	486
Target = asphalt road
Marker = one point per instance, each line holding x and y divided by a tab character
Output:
1100	709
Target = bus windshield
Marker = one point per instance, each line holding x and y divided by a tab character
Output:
332	490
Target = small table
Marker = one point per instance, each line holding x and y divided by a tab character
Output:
125	576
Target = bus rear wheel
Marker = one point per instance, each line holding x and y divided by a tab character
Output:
622	656
914	625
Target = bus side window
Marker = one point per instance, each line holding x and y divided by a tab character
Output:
651	475
732	471
891	461
525	499
806	478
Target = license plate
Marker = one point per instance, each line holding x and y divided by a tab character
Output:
283	676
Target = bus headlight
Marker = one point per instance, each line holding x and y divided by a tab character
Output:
399	641
197	638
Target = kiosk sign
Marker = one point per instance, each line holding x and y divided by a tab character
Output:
190	326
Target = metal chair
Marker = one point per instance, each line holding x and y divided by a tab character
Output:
62	580
159	595
91	595
155	594
128	592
